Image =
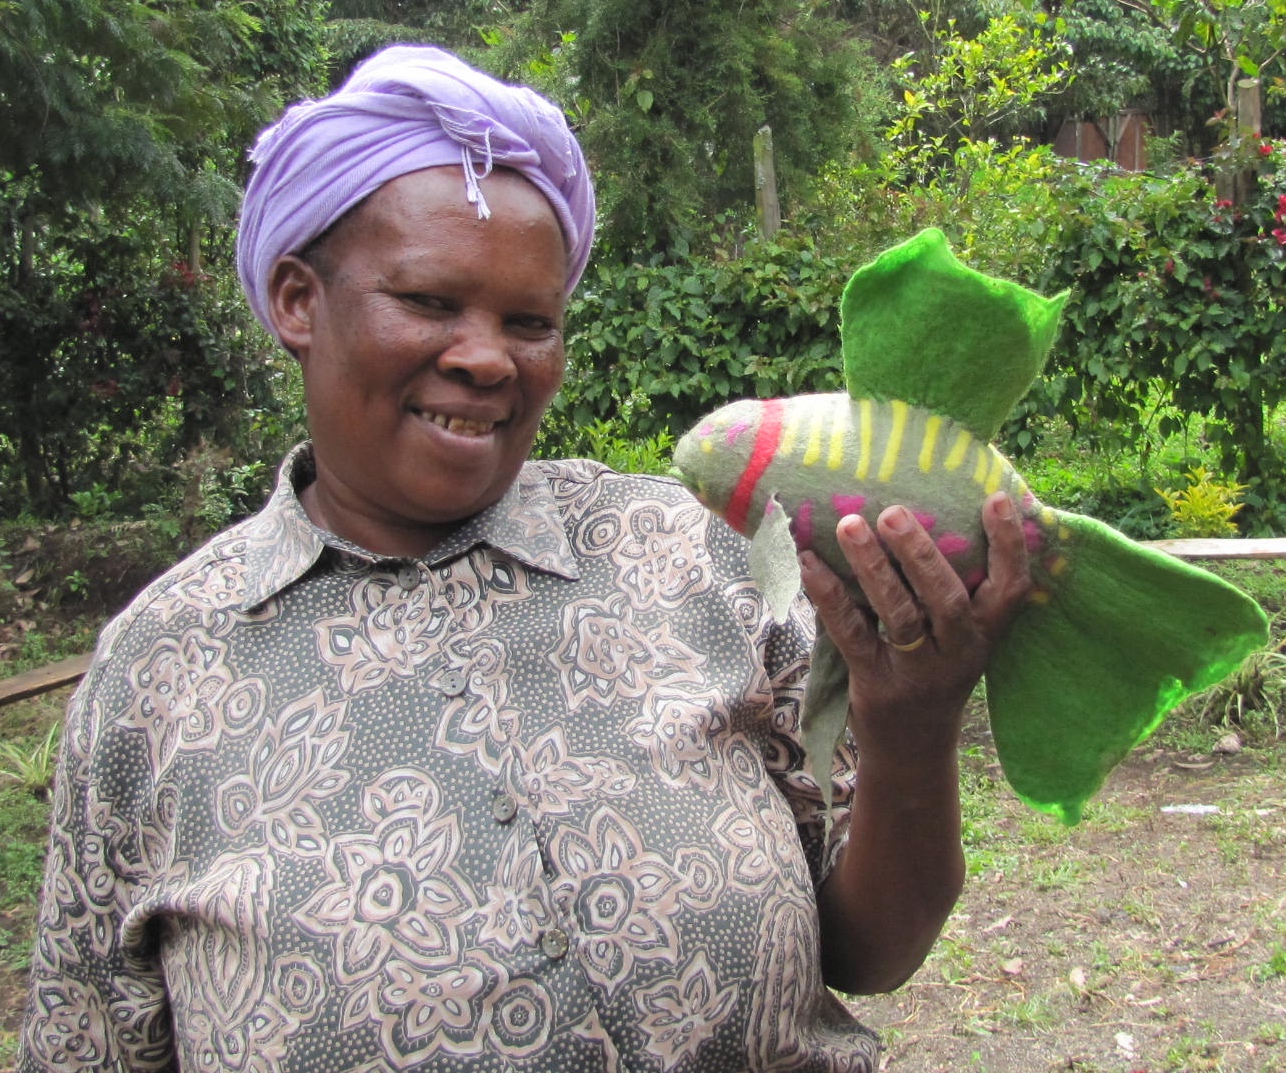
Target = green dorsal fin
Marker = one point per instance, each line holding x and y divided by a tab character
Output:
919	326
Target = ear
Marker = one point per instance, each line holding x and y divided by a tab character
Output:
294	291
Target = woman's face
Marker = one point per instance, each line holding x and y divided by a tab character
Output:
431	344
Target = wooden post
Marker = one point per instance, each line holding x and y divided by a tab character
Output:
1235	181
766	203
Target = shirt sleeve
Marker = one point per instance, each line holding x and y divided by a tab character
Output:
94	1004
787	649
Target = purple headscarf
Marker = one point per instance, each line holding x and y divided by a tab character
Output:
406	108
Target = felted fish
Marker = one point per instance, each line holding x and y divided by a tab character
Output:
935	355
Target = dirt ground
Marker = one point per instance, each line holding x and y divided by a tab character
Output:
1152	937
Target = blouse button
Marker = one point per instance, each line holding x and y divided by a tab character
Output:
408	577
453	682
554	944
503	808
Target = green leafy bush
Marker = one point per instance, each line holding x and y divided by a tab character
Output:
1206	507
1177	298
652	348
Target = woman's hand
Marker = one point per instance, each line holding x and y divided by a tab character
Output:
914	656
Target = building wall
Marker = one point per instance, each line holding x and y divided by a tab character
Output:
1120	139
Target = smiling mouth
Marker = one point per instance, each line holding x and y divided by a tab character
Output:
460	426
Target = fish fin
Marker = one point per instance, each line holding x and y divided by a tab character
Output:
825	717
774	560
919	326
1126	634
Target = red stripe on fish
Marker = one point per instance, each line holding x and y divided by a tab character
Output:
767	440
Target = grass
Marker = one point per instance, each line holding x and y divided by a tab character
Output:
32	767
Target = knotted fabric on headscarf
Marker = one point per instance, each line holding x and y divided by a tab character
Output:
406	108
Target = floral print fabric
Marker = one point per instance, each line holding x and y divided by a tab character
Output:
535	802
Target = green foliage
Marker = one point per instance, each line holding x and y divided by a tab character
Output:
607	442
1273	968
652	348
953	155
678	91
1177	292
24	826
1235	39
1126	57
123	363
1206	507
123	130
32	768
967	88
1252	699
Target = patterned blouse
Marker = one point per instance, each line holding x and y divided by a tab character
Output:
535	802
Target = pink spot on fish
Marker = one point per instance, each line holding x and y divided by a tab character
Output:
927	521
802	525
735	430
952	544
706	430
1033	535
845	505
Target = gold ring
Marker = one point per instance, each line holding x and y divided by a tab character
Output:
910	646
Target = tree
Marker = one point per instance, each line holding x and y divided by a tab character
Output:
668	97
123	130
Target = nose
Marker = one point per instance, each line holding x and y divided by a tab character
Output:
479	353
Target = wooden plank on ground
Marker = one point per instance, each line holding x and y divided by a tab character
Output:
1262	548
44	679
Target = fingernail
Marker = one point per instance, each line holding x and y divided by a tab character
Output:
855	527
898	520
1003	507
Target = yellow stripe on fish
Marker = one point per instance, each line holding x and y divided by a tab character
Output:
866	434
929	442
813	451
839	432
959	450
893	445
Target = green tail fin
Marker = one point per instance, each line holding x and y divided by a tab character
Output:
1080	680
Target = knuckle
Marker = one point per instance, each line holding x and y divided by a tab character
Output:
956	603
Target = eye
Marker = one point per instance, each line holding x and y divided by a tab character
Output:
533	325
430	303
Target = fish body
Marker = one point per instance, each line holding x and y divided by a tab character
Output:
820	457
1115	634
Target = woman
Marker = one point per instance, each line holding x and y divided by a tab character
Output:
448	759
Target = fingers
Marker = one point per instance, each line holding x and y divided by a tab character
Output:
875	564
1008	584
852	627
915	596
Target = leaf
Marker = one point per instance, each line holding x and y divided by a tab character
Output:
644	98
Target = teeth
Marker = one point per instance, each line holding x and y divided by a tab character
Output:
462	425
